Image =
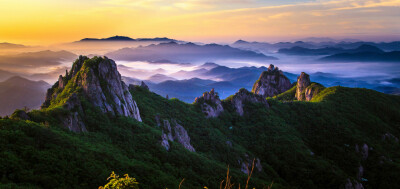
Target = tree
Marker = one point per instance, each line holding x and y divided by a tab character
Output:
120	183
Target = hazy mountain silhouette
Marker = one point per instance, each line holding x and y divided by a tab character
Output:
18	92
301	51
188	52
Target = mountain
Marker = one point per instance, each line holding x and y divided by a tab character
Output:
124	38
307	52
393	56
188	52
18	92
92	124
328	50
158	78
272	47
114	38
5	75
38	59
11	46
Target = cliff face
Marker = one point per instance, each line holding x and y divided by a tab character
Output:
271	82
98	81
210	104
305	90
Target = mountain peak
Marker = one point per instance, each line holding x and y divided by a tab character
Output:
96	80
271	82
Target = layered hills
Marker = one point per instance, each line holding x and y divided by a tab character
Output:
302	136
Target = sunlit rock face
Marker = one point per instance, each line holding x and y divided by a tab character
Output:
303	81
271	82
98	81
210	104
305	90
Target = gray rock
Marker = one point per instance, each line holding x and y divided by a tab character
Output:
364	151
389	136
176	133
353	184
271	82
210	104
243	96
246	165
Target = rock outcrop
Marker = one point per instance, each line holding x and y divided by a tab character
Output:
303	81
99	82
244	96
176	133
210	104
271	82
305	90
247	163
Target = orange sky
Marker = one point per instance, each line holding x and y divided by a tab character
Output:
44	22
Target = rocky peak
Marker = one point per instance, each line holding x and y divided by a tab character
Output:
99	82
210	104
305	90
244	96
271	82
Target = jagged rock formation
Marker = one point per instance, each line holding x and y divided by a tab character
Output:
175	133
210	104
271	82
244	96
98	81
303	81
305	90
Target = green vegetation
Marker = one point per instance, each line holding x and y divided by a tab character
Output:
116	182
300	144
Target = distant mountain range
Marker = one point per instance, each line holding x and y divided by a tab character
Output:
272	47
393	56
124	38
301	51
18	92
11	46
187	52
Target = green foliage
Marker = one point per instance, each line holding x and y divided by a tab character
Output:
300	144
115	182
288	95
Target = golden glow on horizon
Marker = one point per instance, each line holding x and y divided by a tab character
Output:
48	22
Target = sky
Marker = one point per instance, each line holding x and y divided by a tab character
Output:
45	22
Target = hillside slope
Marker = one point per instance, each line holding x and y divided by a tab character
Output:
342	137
